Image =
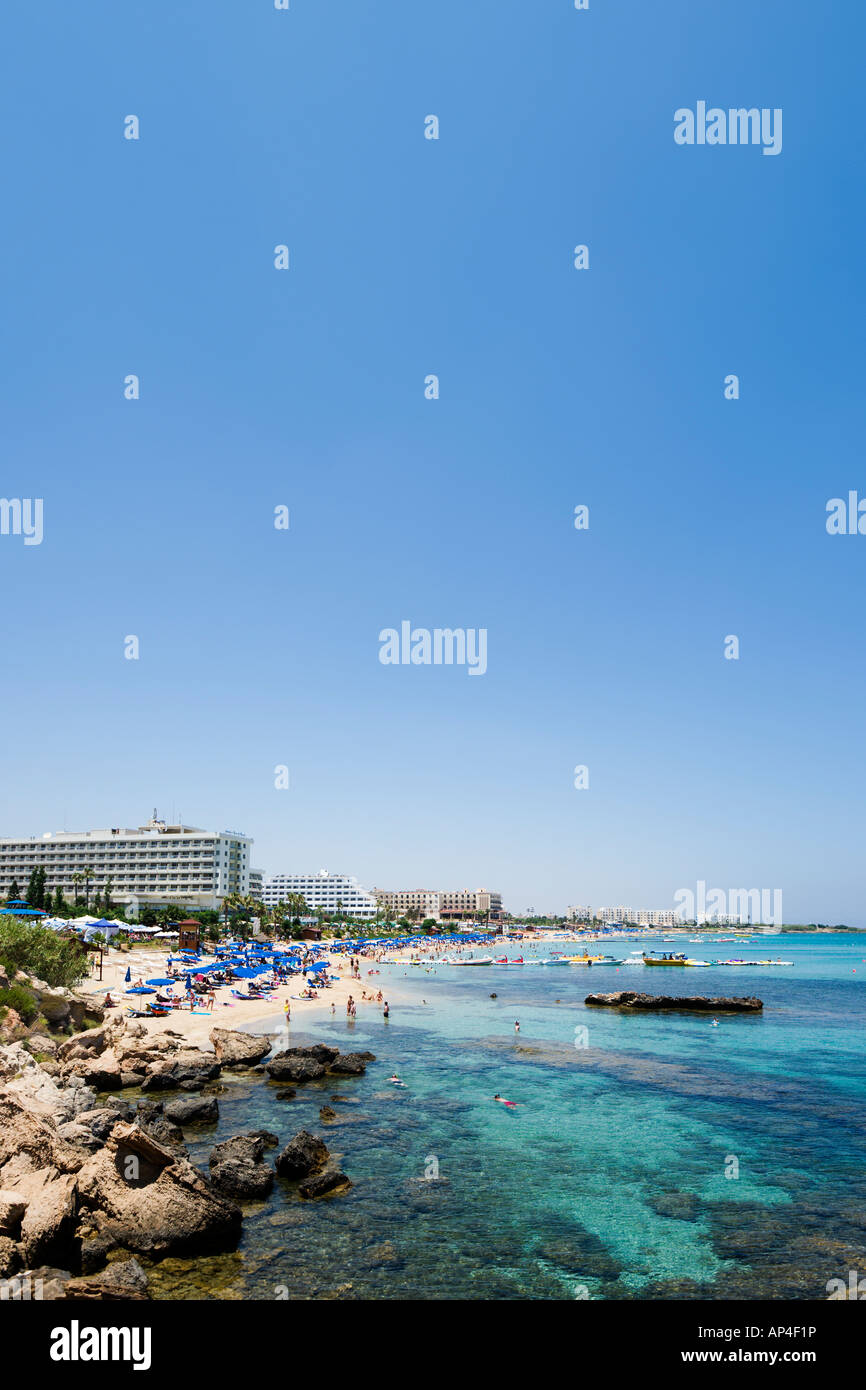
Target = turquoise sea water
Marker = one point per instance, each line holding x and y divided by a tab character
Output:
664	1159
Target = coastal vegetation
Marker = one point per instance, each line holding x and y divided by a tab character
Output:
57	960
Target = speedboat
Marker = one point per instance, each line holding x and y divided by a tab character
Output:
479	960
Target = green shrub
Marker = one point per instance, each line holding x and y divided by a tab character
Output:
22	1000
38	951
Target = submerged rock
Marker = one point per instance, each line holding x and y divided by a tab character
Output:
267	1136
680	1206
122	1280
332	1180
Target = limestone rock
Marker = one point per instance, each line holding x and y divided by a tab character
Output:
237	1167
48	1226
235	1049
138	1195
121	1280
320	1184
201	1110
302	1156
628	999
287	1066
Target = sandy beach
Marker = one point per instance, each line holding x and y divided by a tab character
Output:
148	962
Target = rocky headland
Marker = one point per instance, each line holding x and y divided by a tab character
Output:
94	1182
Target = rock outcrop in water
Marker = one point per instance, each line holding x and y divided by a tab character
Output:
302	1156
312	1063
696	1003
238	1167
308	1158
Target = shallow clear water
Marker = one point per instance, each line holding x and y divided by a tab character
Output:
666	1158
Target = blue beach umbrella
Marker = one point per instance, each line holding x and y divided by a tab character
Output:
165	981
128	976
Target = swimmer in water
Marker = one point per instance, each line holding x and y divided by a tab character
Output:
715	1023
502	1101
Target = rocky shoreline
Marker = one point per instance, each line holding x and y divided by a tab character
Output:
91	1180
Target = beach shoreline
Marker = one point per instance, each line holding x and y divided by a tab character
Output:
242	1015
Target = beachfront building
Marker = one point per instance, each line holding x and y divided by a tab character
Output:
154	865
445	905
330	892
257	883
640	917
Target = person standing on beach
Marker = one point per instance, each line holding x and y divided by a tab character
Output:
287	1010
349	1002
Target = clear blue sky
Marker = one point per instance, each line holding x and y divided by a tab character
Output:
260	647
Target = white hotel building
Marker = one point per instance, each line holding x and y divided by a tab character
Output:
641	917
322	890
155	865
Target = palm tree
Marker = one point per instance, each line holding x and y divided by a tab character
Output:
88	875
229	902
77	879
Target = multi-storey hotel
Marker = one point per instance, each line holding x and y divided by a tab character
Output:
442	903
640	917
322	890
155	865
